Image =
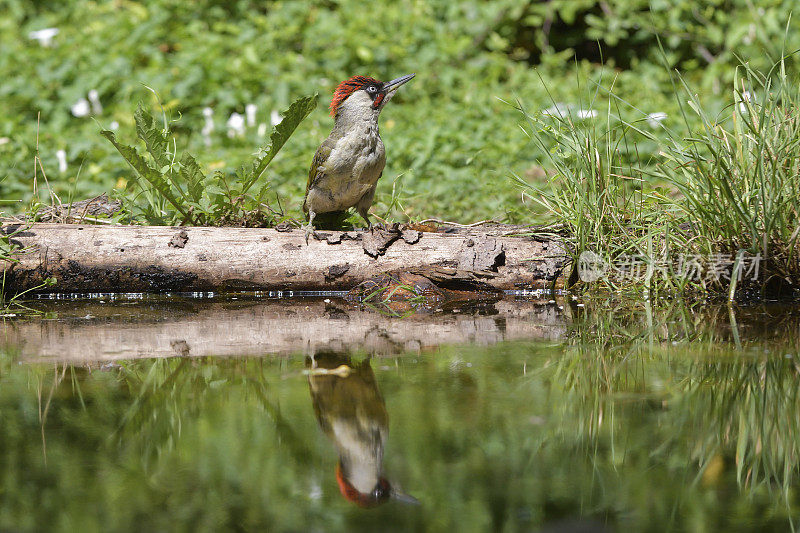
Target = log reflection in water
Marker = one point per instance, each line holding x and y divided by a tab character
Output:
92	331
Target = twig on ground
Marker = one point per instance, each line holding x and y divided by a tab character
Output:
456	224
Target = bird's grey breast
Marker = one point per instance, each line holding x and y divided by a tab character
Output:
352	169
357	152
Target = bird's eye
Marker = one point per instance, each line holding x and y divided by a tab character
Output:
372	89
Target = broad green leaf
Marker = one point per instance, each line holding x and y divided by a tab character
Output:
292	118
214	188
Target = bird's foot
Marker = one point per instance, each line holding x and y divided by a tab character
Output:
309	229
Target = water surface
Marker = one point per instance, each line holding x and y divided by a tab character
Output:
508	415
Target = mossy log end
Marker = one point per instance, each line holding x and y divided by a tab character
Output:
90	258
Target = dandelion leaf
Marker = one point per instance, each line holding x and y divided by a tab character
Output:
144	170
292	118
193	176
154	138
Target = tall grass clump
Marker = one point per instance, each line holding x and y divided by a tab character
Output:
599	190
723	193
739	174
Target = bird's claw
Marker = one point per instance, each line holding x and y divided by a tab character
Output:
309	229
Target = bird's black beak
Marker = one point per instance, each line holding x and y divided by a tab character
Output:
391	86
407	499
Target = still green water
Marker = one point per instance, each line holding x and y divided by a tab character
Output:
683	419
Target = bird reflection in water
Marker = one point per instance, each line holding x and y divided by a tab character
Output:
351	412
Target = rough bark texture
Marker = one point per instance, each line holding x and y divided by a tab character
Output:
92	331
87	258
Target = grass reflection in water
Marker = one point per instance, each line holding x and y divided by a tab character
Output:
681	418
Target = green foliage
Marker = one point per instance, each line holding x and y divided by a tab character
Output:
707	39
738	173
177	191
733	177
446	132
296	113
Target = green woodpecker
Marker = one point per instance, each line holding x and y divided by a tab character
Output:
349	163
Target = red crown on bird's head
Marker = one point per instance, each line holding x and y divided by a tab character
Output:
347	87
367	500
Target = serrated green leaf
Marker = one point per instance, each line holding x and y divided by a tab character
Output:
194	177
145	171
213	188
292	118
196	198
154	138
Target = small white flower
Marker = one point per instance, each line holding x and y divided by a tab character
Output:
275	118
80	108
654	119
583	114
208	127
558	109
235	125
751	34
746	97
114	125
61	155
250	113
94	98
4	140
44	36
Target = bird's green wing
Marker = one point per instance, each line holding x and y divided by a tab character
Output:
315	172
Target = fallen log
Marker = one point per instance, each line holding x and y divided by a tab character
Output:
94	331
89	258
